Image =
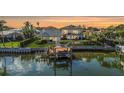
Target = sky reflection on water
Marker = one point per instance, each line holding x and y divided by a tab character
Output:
85	64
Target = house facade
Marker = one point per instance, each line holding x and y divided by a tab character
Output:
72	32
12	34
50	33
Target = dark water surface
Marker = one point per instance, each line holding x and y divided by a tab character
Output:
85	64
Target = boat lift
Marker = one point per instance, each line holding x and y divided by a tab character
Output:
60	51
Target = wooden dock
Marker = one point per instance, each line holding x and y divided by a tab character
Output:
60	52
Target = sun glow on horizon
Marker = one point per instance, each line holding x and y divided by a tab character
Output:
60	21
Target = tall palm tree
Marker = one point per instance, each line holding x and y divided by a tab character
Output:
2	22
38	24
28	29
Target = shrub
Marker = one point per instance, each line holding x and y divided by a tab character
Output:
41	41
26	42
19	38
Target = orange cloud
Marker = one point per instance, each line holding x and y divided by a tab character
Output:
98	21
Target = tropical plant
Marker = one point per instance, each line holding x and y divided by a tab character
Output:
38	24
93	29
28	30
2	22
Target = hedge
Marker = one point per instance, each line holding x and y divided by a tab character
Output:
26	42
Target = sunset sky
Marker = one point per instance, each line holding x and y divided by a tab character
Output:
102	21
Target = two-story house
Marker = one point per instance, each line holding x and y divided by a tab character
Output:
72	32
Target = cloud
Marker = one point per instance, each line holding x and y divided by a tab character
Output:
17	21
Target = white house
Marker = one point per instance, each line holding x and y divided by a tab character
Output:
12	33
50	33
120	48
71	32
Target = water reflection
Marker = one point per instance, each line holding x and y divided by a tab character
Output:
64	65
83	64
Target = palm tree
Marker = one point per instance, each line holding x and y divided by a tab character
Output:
28	29
38	24
2	22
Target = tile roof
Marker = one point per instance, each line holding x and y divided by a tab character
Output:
51	31
72	27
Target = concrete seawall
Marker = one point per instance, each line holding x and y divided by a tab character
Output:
92	48
37	50
22	50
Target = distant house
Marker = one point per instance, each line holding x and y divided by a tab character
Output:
71	32
89	33
12	33
50	33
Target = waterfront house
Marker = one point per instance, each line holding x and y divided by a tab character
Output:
72	32
12	33
50	33
120	48
90	32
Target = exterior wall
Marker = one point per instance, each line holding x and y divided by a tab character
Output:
13	36
52	38
55	38
72	34
71	31
45	38
50	34
74	37
76	31
11	33
64	31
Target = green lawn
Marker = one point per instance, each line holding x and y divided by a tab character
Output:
10	44
34	45
90	55
76	42
71	41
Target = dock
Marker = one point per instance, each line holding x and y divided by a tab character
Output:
60	52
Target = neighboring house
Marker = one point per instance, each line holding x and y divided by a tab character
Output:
50	33
90	33
12	34
72	32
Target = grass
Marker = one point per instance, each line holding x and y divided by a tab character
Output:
35	45
78	42
10	44
94	54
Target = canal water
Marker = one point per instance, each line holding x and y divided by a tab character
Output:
84	64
